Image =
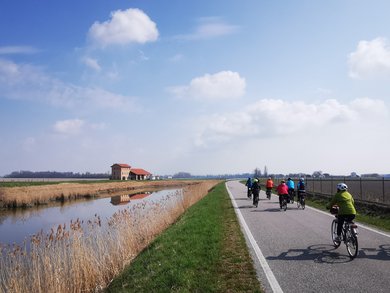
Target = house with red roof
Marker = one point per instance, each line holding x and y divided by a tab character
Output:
139	174
126	172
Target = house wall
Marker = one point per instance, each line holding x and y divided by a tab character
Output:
119	173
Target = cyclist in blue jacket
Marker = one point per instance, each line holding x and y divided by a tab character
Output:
291	188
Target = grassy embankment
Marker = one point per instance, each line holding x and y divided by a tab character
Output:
84	257
204	251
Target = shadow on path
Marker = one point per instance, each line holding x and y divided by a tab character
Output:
326	253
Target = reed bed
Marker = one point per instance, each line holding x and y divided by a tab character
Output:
86	256
28	196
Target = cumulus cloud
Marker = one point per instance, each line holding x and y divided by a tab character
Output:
124	27
215	87
276	118
27	82
69	127
370	60
92	63
209	28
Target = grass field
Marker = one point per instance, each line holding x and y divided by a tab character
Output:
204	251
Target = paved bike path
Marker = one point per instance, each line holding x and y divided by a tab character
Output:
298	255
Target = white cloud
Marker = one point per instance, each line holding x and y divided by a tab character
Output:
18	50
370	60
209	28
223	85
124	27
277	118
69	127
92	63
27	82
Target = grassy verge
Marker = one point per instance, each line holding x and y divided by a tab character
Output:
204	251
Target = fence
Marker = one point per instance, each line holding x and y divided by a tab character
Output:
370	190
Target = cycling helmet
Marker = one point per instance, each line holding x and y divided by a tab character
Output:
342	186
255	180
289	178
301	179
283	181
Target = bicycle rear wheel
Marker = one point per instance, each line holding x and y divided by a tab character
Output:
334	233
284	204
303	204
351	242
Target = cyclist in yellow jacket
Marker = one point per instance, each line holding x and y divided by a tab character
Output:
347	212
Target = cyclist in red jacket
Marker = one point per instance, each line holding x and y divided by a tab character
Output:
282	190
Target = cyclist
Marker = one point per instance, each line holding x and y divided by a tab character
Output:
256	190
347	212
248	184
282	190
269	185
300	187
291	187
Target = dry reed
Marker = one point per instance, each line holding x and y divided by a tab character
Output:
28	196
85	256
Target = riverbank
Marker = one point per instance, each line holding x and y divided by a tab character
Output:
204	251
33	195
83	256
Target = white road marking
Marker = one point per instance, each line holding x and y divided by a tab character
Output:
263	262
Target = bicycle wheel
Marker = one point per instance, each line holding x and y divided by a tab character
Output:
284	204
351	242
303	204
334	233
298	204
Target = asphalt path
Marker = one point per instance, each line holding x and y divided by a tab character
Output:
293	251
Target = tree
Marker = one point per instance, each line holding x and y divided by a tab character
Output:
265	171
317	174
257	173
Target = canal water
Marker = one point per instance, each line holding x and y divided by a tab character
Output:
19	224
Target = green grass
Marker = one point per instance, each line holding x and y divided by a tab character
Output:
204	251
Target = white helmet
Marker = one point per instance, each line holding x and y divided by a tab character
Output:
342	186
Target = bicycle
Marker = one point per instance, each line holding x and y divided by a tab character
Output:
249	193
284	202
256	199
291	194
301	199
349	236
268	193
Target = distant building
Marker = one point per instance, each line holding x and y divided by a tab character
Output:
139	174
125	172
120	171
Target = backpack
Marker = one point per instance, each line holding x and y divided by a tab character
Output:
301	186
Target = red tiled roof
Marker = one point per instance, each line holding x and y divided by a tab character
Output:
122	165
139	196
139	172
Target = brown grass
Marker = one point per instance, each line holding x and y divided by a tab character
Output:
84	257
43	194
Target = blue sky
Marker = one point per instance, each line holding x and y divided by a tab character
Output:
206	87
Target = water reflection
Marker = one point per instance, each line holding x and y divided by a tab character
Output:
18	224
124	199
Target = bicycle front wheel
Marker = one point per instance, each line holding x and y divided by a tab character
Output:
351	241
334	233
